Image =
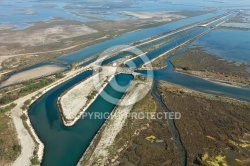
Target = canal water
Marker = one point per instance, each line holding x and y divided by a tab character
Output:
65	145
169	74
134	36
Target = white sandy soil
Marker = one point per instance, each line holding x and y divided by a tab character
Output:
236	25
115	124
75	101
163	15
24	137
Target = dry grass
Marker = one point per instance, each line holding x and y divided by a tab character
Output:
209	120
197	62
9	145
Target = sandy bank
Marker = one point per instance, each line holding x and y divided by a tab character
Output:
114	125
163	15
26	141
212	77
32	74
75	101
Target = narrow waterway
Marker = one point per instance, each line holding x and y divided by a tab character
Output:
65	145
174	130
135	36
192	82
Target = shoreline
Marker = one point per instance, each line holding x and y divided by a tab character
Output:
118	114
25	139
214	80
159	38
98	133
78	47
171	92
49	87
144	66
35	73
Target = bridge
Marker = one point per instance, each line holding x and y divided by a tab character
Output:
116	70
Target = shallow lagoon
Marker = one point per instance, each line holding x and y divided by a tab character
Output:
229	44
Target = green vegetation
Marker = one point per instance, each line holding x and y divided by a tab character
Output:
7	108
59	75
23	117
9	95
17	148
73	66
147	104
26	104
34	161
207	65
33	85
92	95
7	98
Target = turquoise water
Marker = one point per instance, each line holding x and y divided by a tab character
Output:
145	46
169	74
151	55
229	44
23	14
133	37
65	145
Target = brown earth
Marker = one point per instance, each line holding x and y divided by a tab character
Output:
134	149
48	48
46	40
209	124
142	152
160	62
197	62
